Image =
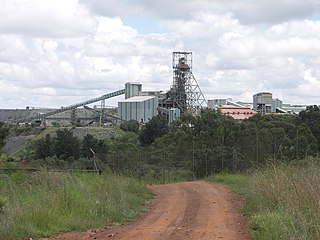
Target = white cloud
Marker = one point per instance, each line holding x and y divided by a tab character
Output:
12	49
45	18
247	11
56	53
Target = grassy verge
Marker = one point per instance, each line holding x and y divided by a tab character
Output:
42	204
282	201
237	182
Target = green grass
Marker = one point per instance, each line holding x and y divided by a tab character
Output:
237	182
281	201
43	204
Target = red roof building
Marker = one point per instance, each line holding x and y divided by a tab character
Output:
238	113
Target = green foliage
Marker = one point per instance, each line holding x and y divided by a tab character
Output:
5	158
44	147
90	143
4	132
130	126
48	203
64	150
155	128
124	153
66	146
290	191
311	118
281	200
272	225
237	182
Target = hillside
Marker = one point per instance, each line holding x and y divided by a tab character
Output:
18	139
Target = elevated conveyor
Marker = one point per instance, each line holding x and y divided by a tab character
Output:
74	106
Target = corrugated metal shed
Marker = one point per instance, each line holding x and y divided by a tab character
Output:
140	108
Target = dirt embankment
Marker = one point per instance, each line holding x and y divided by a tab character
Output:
190	210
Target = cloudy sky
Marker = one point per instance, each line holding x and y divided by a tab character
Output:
55	53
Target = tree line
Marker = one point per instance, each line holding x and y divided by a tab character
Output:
194	146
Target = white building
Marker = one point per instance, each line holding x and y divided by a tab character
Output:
140	108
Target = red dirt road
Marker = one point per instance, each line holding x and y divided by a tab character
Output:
189	210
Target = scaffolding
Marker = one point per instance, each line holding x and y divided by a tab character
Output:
185	91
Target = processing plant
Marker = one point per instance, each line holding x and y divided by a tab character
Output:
184	96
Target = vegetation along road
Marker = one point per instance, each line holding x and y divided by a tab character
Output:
187	210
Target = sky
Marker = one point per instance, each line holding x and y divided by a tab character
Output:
57	53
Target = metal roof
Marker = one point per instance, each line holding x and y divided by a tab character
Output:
236	112
138	99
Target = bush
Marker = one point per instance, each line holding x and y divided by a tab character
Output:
285	201
130	126
46	203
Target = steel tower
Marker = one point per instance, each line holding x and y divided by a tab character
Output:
185	91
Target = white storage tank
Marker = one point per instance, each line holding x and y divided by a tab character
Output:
140	108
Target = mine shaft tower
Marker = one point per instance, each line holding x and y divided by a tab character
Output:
185	92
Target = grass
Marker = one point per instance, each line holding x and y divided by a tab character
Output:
285	201
43	204
282	200
237	182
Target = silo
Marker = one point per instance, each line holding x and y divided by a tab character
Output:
132	89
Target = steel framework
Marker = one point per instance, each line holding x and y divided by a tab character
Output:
185	91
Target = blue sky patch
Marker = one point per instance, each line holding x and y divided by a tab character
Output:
144	25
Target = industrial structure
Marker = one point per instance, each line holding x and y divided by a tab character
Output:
236	112
140	108
185	93
262	102
184	96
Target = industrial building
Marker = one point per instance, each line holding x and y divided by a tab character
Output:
238	113
132	89
184	96
140	108
262	102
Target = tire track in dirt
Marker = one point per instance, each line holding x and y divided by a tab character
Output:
188	211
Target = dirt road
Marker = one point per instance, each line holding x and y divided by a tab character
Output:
190	210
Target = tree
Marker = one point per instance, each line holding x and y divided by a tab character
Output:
130	126
66	146
311	117
4	131
44	147
89	142
123	152
155	128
